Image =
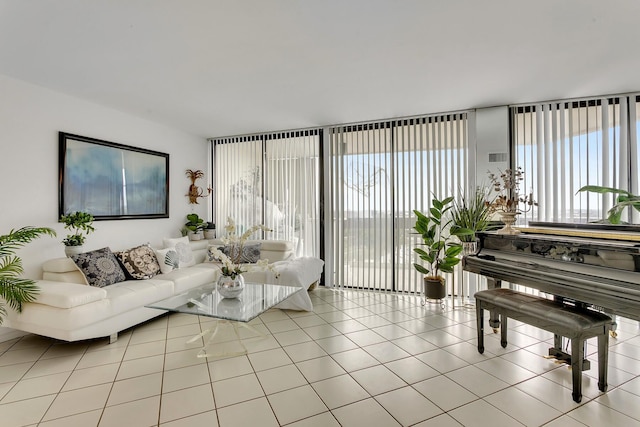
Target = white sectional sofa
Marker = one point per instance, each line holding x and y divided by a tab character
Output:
68	309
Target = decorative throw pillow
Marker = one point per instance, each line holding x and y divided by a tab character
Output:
100	267
168	260
250	252
140	262
182	247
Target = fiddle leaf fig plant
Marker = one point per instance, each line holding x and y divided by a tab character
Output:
623	200
14	290
195	223
441	251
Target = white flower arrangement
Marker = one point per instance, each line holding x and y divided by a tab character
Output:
231	266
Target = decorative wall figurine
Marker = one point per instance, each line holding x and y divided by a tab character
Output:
196	192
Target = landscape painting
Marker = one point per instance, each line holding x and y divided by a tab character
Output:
110	180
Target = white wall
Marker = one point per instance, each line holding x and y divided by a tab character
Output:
492	137
30	119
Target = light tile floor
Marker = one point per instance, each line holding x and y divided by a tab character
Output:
360	359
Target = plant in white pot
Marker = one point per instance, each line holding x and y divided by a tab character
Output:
14	290
195	225
441	247
81	224
210	231
237	257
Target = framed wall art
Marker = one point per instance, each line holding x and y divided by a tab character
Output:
111	181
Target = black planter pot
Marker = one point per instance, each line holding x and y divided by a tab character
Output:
434	288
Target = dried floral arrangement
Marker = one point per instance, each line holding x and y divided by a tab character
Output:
507	185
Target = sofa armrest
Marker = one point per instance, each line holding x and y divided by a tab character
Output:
67	295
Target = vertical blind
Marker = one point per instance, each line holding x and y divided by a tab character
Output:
271	179
379	173
565	145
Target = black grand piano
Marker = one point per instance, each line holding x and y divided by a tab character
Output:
579	264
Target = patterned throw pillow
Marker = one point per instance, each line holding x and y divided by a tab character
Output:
182	247
100	267
250	252
140	262
168	260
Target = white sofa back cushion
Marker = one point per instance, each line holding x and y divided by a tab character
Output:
273	250
62	270
68	295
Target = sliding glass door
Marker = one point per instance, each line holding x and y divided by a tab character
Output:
379	173
270	179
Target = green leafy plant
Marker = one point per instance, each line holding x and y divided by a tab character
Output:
471	213
441	251
623	200
81	224
14	290
195	223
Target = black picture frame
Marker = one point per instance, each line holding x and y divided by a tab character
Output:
111	181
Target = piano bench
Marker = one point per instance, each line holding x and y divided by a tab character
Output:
560	319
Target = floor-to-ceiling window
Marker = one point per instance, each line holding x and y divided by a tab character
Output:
271	179
379	173
565	145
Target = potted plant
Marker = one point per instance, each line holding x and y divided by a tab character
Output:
210	231
441	251
14	290
194	225
81	224
624	199
232	257
471	213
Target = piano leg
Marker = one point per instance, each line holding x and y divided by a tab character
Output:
494	318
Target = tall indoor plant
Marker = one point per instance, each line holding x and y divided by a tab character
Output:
441	251
81	224
14	290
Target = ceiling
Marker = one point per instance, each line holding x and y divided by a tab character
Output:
218	68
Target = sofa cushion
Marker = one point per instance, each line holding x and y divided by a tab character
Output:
182	247
187	278
276	250
67	295
133	294
140	262
168	260
100	267
62	270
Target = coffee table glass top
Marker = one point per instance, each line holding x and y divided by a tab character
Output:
206	301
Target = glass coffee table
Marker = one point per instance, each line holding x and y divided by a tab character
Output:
206	301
